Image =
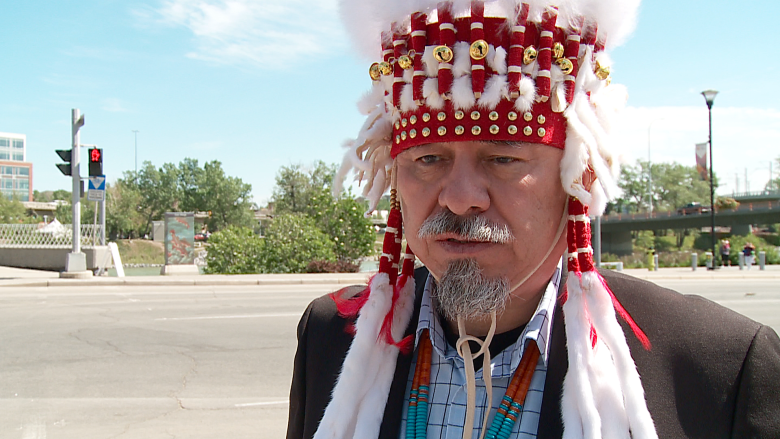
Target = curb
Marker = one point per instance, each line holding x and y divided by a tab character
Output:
203	280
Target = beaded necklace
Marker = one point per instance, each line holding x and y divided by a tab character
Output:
508	412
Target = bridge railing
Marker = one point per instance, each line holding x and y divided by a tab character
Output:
35	236
743	207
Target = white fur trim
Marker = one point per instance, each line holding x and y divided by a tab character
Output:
496	88
527	88
430	64
407	99
497	62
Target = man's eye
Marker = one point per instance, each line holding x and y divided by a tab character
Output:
504	160
428	159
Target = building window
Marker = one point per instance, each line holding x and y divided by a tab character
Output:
4	155
18	144
23	184
7	183
19	157
5	142
23	171
7	170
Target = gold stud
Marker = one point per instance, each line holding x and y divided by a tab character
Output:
459	115
478	49
494	129
512	115
413	133
397	140
602	72
403	135
541	119
426	132
443	54
413	120
441	116
397	125
476	130
557	50
405	61
441	131
404	122
529	55
493	115
459	130
374	72
475	115
426	117
528	131
527	116
565	64
511	129
385	68
541	132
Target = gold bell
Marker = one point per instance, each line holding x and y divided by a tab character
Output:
443	54
374	71
602	72
405	61
478	49
385	68
565	64
557	50
529	55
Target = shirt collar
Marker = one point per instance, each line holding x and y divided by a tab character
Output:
537	329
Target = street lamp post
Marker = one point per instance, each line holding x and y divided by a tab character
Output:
709	96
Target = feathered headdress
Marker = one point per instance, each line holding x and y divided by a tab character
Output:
532	71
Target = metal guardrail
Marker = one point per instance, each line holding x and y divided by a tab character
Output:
37	236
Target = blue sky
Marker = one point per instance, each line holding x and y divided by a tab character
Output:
261	84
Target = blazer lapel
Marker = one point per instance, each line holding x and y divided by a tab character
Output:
391	422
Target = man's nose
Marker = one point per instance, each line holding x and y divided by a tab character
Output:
464	190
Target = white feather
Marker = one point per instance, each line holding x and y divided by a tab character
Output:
462	63
430	64
407	98
462	94
431	94
496	88
527	89
497	60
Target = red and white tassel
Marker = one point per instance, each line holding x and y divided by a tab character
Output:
594	405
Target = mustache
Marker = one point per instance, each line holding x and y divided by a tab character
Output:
468	228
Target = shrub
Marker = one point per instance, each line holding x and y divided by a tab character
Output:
234	250
292	241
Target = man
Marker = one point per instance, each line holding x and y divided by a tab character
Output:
489	123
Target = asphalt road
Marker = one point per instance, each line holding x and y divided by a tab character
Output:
184	362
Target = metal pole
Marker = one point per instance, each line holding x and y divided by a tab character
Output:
103	222
712	195
76	174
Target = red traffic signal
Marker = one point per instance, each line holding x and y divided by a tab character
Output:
95	162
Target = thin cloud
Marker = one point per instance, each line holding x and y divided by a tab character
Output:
113	105
742	139
268	34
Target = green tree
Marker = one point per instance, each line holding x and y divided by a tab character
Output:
670	186
13	212
235	250
292	240
227	198
123	217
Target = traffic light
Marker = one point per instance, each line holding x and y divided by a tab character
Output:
65	155
95	162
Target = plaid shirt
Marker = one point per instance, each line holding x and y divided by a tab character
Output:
447	398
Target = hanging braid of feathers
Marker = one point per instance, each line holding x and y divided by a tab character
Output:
383	311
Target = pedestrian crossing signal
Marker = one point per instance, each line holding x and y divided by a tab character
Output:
95	162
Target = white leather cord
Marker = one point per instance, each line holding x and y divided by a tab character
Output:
464	350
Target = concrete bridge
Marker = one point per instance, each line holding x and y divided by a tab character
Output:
755	208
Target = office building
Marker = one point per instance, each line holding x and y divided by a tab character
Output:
15	172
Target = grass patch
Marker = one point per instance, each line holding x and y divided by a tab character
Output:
141	251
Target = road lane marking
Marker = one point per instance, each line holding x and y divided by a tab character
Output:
255	404
241	316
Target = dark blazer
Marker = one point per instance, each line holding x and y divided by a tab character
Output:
711	373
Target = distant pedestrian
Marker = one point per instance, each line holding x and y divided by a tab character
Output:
725	252
750	252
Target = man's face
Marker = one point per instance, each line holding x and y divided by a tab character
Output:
514	185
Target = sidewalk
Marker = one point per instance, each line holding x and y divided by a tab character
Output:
17	277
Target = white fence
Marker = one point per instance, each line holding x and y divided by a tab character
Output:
52	235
